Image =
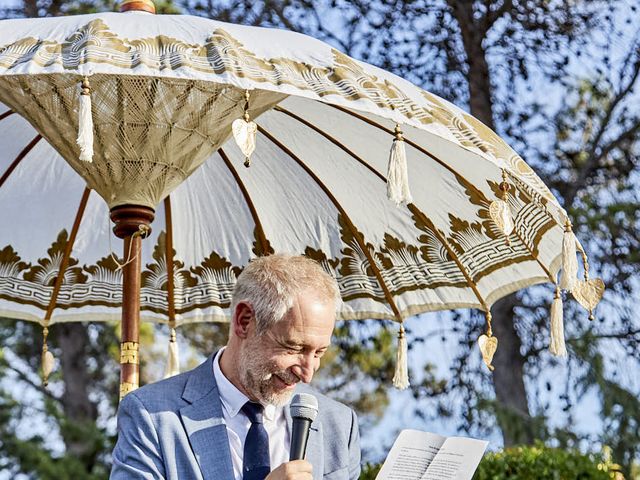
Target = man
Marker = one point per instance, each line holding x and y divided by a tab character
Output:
228	419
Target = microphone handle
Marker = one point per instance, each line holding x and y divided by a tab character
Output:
299	437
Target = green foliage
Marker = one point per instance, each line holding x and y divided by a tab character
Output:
362	354
32	456
55	8
544	463
536	462
620	406
67	441
369	471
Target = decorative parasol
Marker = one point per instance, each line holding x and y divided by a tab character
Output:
411	203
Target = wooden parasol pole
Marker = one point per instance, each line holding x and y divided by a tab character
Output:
132	223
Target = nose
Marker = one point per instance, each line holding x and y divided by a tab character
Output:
306	367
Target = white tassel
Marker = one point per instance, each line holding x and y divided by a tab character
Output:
397	176
500	212
173	359
557	346
569	259
85	123
401	377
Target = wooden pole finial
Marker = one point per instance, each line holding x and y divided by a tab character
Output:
138	5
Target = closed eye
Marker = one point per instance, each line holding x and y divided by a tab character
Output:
292	347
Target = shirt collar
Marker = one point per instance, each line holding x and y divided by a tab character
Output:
232	398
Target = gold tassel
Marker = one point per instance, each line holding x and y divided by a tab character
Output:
47	360
244	132
401	377
557	346
569	259
85	123
488	344
500	212
173	359
397	173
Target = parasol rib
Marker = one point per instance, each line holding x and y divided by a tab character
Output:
546	271
66	255
171	301
333	140
418	147
387	294
451	253
515	230
412	207
466	183
25	89
6	114
262	238
19	158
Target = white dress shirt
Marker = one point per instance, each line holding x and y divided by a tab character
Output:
238	424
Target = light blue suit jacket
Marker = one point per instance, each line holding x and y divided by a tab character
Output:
174	429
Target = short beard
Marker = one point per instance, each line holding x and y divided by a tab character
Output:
256	378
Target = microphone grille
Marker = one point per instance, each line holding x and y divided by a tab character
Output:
304	405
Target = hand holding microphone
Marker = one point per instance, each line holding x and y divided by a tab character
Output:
303	408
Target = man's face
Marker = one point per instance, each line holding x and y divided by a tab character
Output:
289	352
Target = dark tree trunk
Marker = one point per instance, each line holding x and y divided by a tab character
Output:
513	414
30	8
79	410
480	90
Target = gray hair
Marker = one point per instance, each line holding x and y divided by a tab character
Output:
271	283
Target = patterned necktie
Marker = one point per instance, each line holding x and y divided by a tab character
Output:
255	460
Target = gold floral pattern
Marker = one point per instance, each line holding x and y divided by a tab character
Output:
222	54
403	267
47	269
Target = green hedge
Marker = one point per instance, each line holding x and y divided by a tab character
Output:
540	462
535	463
369	471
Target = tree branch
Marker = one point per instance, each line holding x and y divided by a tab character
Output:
603	336
593	158
25	378
327	34
623	137
491	16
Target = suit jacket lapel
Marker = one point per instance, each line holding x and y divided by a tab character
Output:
204	423
315	449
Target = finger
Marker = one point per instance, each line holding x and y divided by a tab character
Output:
299	466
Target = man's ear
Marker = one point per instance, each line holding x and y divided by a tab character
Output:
243	320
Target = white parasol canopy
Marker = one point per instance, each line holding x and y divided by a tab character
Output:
165	91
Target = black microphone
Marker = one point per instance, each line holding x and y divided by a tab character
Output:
303	408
